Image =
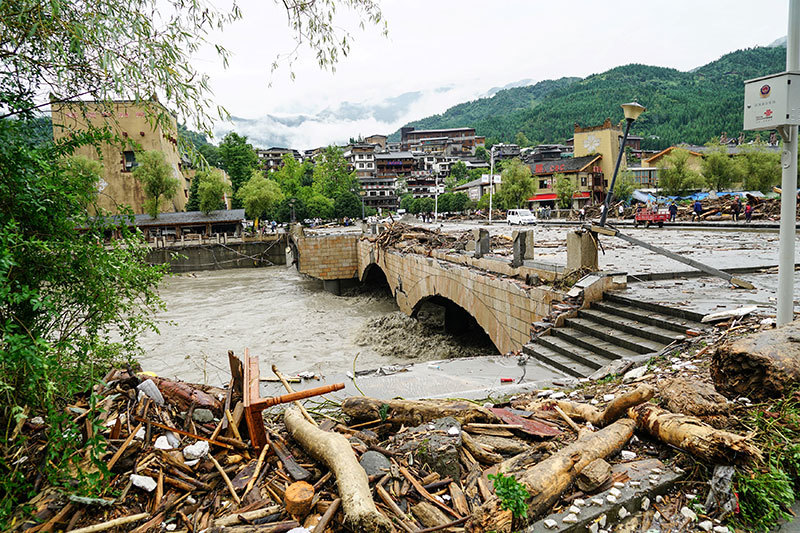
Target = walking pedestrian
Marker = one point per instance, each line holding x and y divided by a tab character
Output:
621	210
582	214
748	212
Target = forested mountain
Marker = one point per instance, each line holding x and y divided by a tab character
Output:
688	107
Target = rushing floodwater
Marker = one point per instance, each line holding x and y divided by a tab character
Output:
287	319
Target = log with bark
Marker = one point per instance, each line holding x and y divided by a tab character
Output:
548	479
612	412
414	413
759	366
691	434
334	450
183	395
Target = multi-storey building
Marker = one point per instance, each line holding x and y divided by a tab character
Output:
392	171
132	124
361	158
450	141
585	172
272	158
379	140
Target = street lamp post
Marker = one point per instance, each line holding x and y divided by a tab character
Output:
632	111
436	197
291	204
362	193
491	181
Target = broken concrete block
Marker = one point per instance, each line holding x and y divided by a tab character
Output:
432	445
593	475
688	513
144	482
550	524
622	513
570	519
706	525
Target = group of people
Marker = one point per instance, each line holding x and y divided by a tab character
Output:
543	213
736	209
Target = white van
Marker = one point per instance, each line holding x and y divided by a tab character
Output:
520	216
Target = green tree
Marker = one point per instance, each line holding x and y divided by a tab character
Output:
193	203
78	168
332	175
450	182
347	204
445	202
459	202
259	195
405	201
497	202
517	184
319	206
294	175
211	190
157	179
422	205
211	154
522	140
623	189
760	169
458	170
482	153
676	178
565	189
238	159
718	168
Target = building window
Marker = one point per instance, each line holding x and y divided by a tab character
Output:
583	181
129	160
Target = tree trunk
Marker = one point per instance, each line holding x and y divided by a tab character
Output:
759	366
690	434
183	395
334	450
548	479
613	411
414	413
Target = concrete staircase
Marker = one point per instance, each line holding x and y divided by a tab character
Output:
616	327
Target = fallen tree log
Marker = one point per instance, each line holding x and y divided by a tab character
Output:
694	436
548	479
759	366
334	450
612	412
414	413
184	395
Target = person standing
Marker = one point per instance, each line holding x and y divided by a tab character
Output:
621	211
673	212
582	214
748	213
736	208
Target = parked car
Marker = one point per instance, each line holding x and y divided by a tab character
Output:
520	216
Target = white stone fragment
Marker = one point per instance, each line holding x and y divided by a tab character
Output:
623	513
191	501
597	501
619	485
162	443
570	519
557	395
688	513
141	434
144	482
656	516
611	498
659	499
656	471
635	483
594	527
593	401
173	439
615	492
191	463
608	397
171	527
706	525
634	374
453	431
579	502
574	509
544	393
691	496
627	455
602	520
550	523
198	450
721	529
645	503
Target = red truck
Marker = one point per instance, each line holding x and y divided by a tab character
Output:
651	216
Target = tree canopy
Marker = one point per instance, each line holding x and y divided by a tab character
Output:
675	177
565	189
211	190
238	159
157	179
517	184
259	195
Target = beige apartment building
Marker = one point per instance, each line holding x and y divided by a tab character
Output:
133	124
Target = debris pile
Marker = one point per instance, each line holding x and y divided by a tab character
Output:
414	239
191	458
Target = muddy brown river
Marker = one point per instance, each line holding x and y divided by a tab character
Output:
287	319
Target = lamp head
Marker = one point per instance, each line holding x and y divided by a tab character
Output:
632	110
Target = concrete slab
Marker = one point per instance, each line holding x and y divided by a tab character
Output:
629	497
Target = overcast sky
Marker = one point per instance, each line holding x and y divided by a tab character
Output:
442	52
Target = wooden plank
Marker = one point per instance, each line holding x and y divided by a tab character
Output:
252	413
531	427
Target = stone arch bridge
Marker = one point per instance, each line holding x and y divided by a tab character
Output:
488	289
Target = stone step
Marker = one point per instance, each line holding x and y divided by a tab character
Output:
574	352
630	325
593	344
613	335
679	325
684	314
556	360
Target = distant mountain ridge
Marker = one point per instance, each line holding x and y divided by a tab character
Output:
691	107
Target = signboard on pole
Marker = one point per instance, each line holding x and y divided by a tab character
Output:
772	101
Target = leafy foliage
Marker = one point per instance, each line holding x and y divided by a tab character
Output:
347	204
718	168
512	494
675	175
422	205
238	159
624	187
157	180
681	106
760	169
259	195
458	170
211	190
565	189
517	185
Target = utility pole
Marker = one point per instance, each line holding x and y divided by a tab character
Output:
789	182
491	181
